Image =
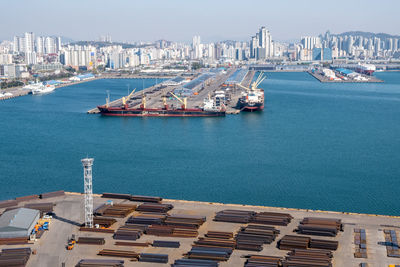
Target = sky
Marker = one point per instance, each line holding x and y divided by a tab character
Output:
180	20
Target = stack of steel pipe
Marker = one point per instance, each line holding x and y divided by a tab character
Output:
195	263
289	242
118	253
185	221
146	219
42	207
254	236
14	256
360	240
27	198
262	261
154	207
128	232
117	210
320	226
104	221
97	230
166	244
8	203
272	218
392	245
234	216
308	258
145	199
102	263
215	242
324	244
166	230
219	234
150	257
91	240
13	241
116	196
210	253
132	244
52	194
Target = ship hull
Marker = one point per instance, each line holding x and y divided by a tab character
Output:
251	108
120	112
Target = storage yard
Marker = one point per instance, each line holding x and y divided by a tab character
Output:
151	231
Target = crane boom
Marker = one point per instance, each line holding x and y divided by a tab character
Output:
184	101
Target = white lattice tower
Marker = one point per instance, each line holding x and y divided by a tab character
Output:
87	178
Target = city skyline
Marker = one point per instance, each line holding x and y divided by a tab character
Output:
179	21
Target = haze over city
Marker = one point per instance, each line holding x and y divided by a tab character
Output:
179	20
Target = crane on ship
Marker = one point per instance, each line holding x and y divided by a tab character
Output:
184	101
125	100
143	105
256	83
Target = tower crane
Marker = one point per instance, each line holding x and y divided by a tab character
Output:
126	99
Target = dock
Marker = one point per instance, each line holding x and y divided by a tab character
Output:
155	93
50	249
323	79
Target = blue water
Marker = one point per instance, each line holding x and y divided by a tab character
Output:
316	146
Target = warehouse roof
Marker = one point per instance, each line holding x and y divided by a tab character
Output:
17	219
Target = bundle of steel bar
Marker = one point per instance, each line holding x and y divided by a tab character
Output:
262	261
289	242
91	240
102	263
27	198
167	230
195	263
104	221
128	232
42	207
320	226
147	219
52	194
118	253
308	258
116	196
166	244
185	221
272	218
115	210
215	242
253	236
150	257
13	241
97	230
132	244
145	199
392	245
210	253
234	216
324	244
219	234
360	240
363	264
15	256
154	207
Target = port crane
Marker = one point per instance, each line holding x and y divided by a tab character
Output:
143	105
184	101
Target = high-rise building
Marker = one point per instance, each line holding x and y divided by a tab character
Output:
29	39
40	45
50	45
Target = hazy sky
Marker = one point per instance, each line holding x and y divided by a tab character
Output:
179	20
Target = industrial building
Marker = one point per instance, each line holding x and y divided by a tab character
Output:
18	222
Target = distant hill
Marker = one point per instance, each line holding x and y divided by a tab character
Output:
368	34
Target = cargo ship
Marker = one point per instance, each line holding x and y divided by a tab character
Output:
210	109
367	69
252	99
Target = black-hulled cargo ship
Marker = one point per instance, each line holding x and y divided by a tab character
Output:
252	99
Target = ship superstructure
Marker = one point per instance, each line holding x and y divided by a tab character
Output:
252	99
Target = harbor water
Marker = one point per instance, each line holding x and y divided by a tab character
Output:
315	146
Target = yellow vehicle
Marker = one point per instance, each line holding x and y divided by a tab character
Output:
71	243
